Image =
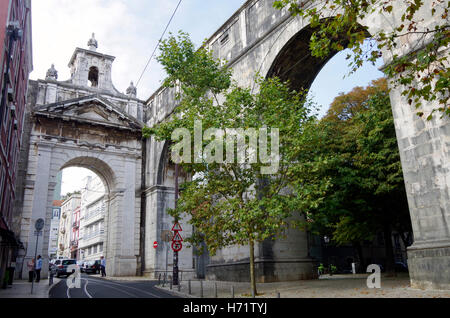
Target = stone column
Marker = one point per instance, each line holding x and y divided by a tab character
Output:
40	208
425	157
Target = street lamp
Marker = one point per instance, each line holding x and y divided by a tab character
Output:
326	239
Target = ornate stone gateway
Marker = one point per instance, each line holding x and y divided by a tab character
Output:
85	122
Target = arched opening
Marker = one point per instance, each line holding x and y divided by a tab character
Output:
166	180
326	79
80	227
93	77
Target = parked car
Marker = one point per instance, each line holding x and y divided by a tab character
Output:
62	270
53	265
92	267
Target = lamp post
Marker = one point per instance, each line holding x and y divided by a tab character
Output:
175	253
326	239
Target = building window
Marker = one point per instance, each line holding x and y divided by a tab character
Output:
93	76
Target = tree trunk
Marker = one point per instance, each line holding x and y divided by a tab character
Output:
252	268
390	263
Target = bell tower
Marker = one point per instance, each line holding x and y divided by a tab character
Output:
90	68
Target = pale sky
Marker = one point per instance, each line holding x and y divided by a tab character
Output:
130	29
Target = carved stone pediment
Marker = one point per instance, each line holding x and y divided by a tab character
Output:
90	109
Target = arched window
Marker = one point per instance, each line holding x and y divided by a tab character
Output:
93	76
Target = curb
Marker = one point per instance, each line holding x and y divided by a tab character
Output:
175	293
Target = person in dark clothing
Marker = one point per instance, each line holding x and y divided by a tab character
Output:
103	266
30	266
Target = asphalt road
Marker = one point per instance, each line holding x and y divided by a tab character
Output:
94	287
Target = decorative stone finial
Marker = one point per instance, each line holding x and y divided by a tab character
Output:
52	73
93	44
131	90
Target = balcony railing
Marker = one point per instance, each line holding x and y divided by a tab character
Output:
93	235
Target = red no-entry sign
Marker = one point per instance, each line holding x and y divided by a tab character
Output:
155	244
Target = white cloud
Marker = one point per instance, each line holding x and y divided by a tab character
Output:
74	179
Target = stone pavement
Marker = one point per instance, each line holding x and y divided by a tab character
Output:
22	289
337	286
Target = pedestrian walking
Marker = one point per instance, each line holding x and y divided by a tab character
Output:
103	266
30	266
38	268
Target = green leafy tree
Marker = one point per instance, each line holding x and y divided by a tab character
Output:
423	73
357	164
231	202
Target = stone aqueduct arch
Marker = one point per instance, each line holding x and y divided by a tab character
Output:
70	124
251	40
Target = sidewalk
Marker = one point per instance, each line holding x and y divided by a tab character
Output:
22	289
336	286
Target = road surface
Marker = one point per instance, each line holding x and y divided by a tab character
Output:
95	287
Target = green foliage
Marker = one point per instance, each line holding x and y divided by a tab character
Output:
231	203
354	183
423	74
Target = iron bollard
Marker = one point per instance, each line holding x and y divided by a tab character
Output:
50	280
170	284
179	286
278	294
201	289
253	293
159	279
215	290
189	287
232	291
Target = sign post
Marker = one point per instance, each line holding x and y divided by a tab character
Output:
175	252
39	225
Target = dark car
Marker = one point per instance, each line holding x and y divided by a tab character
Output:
92	267
62	269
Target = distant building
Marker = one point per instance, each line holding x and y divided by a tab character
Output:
69	209
15	66
92	227
54	228
56	215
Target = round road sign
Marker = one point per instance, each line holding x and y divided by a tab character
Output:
177	246
155	244
39	225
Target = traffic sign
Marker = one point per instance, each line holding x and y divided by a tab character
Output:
177	246
39	225
177	237
155	244
177	227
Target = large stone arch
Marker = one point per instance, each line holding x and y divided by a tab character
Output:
423	149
